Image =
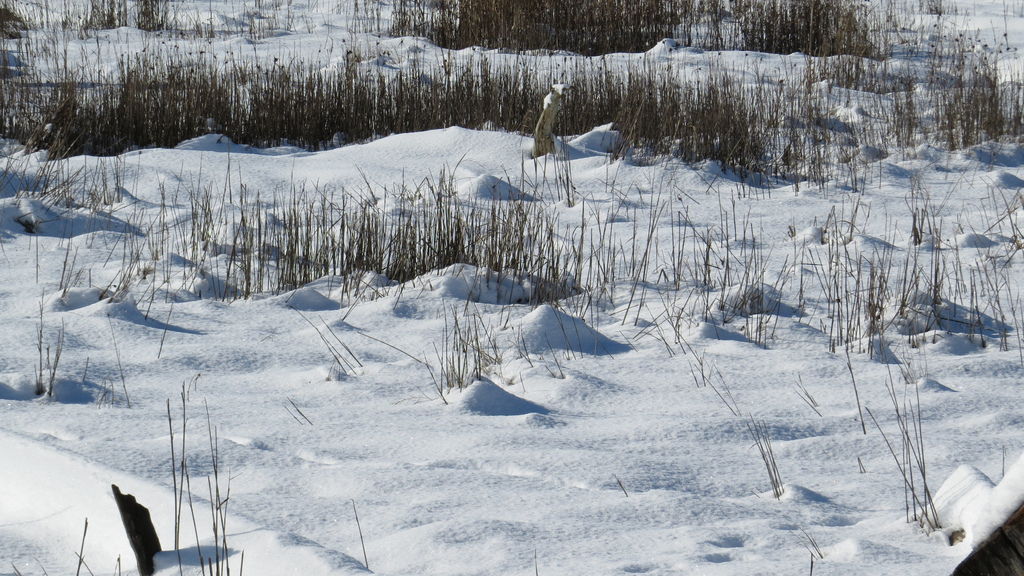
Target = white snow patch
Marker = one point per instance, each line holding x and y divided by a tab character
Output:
487	187
663	49
486	398
556	89
974	240
1004	499
749	299
465	282
960	500
932	385
309	300
16	386
601	140
547	328
76	298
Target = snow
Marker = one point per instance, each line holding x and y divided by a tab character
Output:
552	329
1004	499
490	187
961	498
557	90
308	300
969	501
486	398
606	432
601	140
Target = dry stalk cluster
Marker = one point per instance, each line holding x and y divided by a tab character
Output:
578	26
468	349
872	294
908	452
255	247
816	27
12	24
214	559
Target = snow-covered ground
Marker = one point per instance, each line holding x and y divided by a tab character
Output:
614	431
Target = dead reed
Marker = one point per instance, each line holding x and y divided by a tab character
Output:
11	22
321	233
816	27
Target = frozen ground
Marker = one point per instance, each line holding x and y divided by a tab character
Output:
608	435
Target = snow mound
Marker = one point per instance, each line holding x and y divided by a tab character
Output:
996	154
283	553
960	498
750	299
930	385
810	235
972	240
22	387
942	342
547	328
213	143
487	187
869	153
26	216
486	398
34	216
15	386
803	495
601	140
870	244
942	319
54	508
848	550
309	300
855	114
542	421
709	331
125	309
466	282
663	48
76	298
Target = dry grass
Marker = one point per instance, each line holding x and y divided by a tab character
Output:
321	233
12	24
162	101
814	27
584	27
768	127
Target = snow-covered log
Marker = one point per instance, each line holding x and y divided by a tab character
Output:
1002	554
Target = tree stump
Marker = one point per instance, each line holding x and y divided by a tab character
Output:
139	526
543	139
1002	554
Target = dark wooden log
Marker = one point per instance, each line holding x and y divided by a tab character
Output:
139	526
1002	554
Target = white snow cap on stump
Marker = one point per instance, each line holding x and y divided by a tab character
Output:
543	140
558	89
968	500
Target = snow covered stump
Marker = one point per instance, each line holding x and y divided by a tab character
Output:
988	517
1002	554
543	140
